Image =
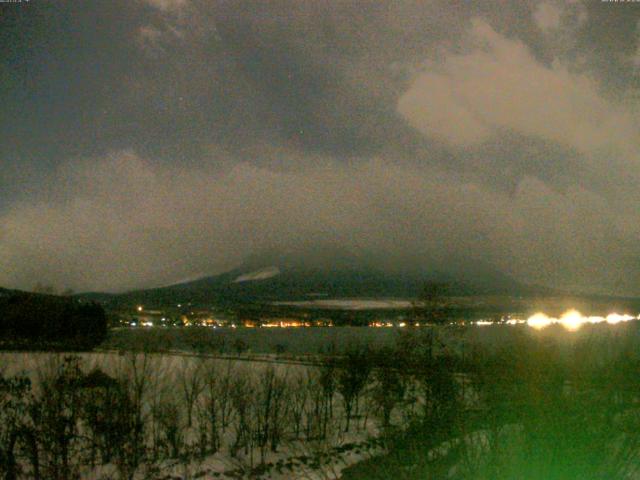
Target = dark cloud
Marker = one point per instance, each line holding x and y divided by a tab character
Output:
142	142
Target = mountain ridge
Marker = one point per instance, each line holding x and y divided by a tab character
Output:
287	276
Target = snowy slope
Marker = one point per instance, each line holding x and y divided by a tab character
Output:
261	274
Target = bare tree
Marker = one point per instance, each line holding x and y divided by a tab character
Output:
136	373
211	409
59	410
352	377
191	385
271	410
389	386
224	394
14	397
241	398
299	387
433	305
328	383
169	419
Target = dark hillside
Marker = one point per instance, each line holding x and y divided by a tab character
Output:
29	320
301	276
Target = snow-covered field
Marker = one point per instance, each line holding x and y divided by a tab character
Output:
207	418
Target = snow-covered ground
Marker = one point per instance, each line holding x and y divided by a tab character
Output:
261	274
165	378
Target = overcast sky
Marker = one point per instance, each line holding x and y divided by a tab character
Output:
143	142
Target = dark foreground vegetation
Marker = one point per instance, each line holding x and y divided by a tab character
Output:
526	410
30	321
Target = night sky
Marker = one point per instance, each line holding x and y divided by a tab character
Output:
147	142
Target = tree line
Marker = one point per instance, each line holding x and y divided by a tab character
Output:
29	320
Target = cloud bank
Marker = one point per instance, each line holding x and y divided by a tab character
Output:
207	132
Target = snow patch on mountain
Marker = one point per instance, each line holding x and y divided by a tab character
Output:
261	274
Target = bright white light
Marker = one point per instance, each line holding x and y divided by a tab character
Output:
614	318
572	320
539	321
595	319
484	322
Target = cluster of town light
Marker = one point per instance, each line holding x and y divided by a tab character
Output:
571	320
